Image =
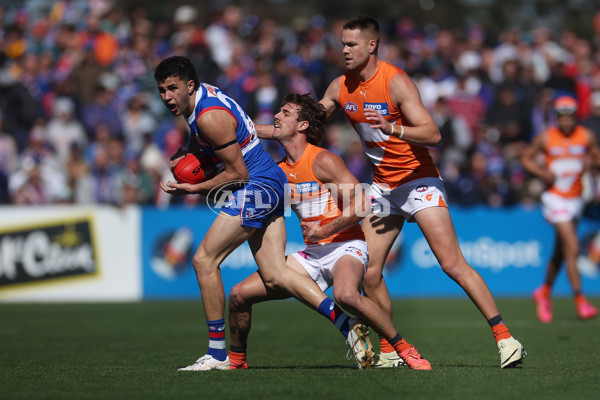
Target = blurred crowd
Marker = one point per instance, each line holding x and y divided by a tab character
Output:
81	120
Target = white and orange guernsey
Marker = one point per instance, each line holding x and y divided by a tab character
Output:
311	200
394	162
566	158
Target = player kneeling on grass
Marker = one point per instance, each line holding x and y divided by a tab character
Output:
336	252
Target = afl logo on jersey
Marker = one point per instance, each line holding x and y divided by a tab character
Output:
350	107
421	188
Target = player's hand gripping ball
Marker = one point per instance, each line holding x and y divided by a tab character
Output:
194	168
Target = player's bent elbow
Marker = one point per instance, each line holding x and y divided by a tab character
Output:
243	175
436	139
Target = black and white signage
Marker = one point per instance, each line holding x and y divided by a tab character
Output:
54	250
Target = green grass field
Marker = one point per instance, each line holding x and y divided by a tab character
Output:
132	351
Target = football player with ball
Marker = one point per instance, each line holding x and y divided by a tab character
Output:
225	133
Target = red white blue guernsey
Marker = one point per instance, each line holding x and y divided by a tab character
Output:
263	195
209	98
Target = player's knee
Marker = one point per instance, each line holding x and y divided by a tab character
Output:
454	269
202	265
237	301
458	270
347	298
571	250
372	281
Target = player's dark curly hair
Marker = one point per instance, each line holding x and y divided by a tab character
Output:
310	111
178	66
364	24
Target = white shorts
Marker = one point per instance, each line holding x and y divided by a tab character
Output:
319	259
561	209
407	199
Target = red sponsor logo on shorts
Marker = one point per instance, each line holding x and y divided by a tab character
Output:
422	188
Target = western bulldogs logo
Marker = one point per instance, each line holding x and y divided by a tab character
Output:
350	107
422	188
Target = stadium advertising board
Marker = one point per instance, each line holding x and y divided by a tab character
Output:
42	252
508	247
170	239
69	254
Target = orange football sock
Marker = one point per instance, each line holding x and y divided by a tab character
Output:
546	290
402	345
498	328
237	359
501	332
579	298
385	346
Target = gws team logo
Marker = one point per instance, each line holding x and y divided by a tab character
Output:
252	200
352	249
350	107
422	188
173	253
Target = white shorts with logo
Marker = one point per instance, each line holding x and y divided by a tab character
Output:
407	199
319	259
561	209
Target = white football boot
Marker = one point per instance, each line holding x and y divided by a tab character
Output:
206	363
388	360
511	352
360	344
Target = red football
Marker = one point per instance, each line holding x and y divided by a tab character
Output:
194	168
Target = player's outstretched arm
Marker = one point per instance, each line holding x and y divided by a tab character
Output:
351	199
330	98
264	131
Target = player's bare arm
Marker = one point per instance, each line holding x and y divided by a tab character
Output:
529	159
418	125
264	131
218	128
330	169
330	99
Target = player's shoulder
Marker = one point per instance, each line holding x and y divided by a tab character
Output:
334	87
326	160
587	132
402	87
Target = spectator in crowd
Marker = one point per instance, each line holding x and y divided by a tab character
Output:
508	116
137	185
8	162
64	130
79	178
8	150
593	121
103	109
105	179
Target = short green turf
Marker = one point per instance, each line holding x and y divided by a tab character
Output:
132	351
